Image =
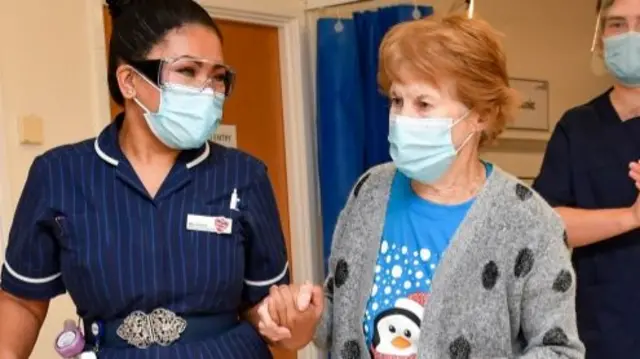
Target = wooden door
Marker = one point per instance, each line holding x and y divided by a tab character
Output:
255	107
115	109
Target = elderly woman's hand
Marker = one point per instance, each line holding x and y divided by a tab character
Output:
290	314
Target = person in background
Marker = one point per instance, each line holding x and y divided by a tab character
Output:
439	254
585	176
166	242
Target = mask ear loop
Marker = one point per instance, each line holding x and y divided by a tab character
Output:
470	136
460	119
135	99
464	143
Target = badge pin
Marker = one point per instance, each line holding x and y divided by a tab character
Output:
218	225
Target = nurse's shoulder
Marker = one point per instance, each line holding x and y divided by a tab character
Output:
72	151
587	116
67	159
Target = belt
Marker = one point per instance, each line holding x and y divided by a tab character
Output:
160	327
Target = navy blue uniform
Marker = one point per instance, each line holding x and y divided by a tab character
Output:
85	224
586	166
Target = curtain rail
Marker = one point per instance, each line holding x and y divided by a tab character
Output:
315	5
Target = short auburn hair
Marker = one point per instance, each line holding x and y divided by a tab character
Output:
455	48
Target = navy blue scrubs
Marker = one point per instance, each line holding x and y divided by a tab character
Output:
586	166
86	225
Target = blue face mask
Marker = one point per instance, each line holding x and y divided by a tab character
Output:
186	117
422	148
622	57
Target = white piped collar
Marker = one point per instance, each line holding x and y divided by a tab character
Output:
107	140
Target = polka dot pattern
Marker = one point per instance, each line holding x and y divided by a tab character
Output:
563	281
490	275
350	350
460	348
555	337
341	274
523	192
358	186
522	339
330	285
524	263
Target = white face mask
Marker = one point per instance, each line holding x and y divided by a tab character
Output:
422	148
186	118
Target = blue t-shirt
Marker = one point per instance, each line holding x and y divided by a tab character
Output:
416	234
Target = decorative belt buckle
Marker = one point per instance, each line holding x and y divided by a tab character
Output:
141	330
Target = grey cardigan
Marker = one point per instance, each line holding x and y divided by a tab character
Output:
504	289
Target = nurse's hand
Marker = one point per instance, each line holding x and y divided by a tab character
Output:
268	328
297	308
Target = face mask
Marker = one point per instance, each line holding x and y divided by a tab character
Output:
622	56
186	118
422	148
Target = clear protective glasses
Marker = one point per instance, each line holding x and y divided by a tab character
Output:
612	22
606	24
466	6
188	71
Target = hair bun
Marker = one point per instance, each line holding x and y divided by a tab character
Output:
117	7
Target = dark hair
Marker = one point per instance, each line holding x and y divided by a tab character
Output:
139	25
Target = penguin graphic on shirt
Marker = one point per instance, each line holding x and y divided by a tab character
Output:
396	331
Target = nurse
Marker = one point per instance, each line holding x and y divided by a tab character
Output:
585	176
166	242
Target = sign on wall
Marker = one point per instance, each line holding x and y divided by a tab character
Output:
534	110
226	135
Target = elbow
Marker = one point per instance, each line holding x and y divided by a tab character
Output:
570	238
34	311
22	320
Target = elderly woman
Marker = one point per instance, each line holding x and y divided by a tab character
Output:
439	254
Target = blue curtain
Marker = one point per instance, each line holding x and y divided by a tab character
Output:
352	114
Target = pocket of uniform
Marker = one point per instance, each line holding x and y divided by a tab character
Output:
61	226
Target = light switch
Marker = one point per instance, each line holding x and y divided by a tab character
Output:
31	132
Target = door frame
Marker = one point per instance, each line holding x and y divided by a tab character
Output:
299	123
5	181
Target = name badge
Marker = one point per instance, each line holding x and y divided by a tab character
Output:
219	225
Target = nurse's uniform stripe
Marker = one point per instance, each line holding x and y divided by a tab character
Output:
274	280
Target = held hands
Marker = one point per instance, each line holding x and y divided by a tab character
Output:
290	314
